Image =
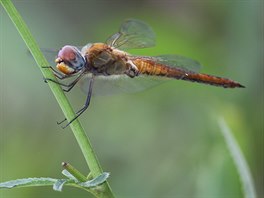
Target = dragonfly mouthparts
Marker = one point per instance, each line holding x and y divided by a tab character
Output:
58	60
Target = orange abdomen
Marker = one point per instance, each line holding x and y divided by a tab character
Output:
149	67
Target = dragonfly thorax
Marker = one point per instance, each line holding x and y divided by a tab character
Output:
70	60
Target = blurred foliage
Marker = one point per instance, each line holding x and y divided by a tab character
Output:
163	142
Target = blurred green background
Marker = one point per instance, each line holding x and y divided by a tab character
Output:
163	142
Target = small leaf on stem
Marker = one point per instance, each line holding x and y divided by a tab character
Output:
96	181
57	186
26	182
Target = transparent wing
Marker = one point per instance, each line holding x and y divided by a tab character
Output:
173	60
132	34
120	84
50	55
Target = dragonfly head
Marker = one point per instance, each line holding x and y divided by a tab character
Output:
70	60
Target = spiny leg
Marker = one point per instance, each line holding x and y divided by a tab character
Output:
86	105
68	86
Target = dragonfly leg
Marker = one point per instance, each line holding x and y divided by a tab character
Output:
68	86
73	83
86	105
132	69
60	83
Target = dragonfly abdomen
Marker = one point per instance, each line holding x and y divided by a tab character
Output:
150	67
212	80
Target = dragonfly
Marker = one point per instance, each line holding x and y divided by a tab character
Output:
108	68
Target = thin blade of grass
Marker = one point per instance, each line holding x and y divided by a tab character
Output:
63	102
239	160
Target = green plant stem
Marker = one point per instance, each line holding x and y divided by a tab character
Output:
74	172
76	127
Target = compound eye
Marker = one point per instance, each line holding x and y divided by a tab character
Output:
71	57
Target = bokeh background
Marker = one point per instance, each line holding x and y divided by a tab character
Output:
163	142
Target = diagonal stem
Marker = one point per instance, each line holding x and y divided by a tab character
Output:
63	102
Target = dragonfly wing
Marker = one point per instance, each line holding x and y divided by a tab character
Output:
120	84
173	60
133	34
50	55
